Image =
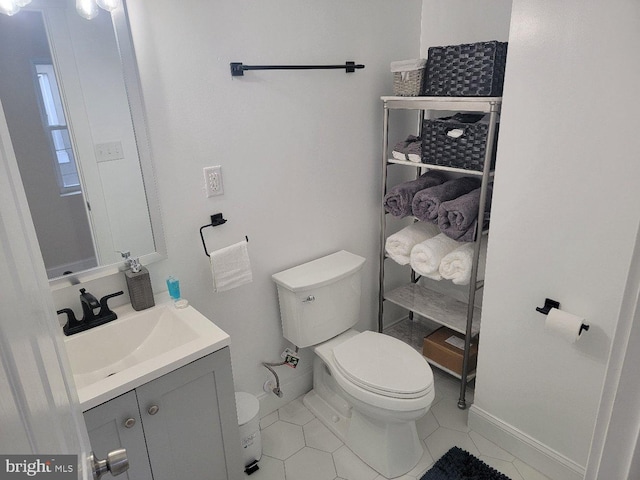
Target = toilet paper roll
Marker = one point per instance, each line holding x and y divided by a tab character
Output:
563	324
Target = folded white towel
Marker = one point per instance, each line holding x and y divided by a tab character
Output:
412	157
407	65
398	155
456	265
230	267
398	246
426	256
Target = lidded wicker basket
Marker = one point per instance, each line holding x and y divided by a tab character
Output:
408	77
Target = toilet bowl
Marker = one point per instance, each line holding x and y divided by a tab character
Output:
368	388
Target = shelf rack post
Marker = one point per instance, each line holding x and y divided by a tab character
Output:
488	156
383	221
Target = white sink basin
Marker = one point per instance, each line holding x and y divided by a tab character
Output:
138	347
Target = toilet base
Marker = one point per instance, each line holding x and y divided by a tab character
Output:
388	445
392	449
330	417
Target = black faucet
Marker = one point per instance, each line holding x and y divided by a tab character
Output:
89	319
89	304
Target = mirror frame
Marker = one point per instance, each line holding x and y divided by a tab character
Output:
133	88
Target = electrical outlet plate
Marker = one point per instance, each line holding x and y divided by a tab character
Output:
287	351
213	181
291	359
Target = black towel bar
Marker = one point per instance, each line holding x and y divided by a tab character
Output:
238	69
216	220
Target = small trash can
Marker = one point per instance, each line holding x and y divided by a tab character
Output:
248	407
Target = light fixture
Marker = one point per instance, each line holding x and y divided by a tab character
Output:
86	8
109	5
9	7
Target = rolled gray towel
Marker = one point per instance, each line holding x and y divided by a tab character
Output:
458	218
426	202
398	200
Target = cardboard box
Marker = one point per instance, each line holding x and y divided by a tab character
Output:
436	348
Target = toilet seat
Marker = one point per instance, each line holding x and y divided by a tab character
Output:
383	365
379	393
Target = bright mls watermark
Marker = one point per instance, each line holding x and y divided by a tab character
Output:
38	467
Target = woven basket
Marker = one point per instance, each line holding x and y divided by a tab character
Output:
466	151
408	84
468	70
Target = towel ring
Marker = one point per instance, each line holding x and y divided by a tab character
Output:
216	220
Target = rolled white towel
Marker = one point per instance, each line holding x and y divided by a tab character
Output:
426	256
456	265
398	246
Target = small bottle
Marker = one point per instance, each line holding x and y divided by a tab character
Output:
138	284
173	285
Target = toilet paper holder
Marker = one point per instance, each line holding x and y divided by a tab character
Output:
549	304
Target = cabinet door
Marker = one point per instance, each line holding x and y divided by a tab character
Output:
116	424
189	419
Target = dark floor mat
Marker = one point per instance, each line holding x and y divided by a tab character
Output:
457	464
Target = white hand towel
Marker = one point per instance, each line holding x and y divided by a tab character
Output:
425	257
399	245
456	265
230	267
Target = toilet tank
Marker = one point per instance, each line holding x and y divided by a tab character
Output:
320	299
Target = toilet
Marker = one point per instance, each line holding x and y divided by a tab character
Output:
369	389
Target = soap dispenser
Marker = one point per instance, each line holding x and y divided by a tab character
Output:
138	283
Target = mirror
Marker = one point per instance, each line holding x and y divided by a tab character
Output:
71	97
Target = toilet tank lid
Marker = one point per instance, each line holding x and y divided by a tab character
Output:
320	272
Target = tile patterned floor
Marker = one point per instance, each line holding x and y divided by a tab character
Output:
297	446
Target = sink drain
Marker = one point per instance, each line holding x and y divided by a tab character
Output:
110	374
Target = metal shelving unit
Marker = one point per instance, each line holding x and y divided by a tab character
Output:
458	316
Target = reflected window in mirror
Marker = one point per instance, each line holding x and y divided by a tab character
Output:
55	124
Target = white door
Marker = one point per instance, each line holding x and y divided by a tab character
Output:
39	409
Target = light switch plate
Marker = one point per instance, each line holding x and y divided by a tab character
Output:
106	152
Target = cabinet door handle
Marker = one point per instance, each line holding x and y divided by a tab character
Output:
129	422
153	409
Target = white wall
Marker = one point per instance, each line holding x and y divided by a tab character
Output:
452	22
300	151
564	217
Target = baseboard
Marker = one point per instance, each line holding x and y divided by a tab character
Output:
292	389
544	459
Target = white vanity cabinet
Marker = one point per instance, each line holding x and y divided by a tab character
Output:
180	425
